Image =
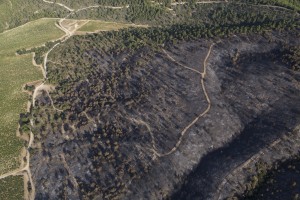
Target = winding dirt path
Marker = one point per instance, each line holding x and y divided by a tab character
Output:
40	66
46	58
102	6
25	171
60	4
171	58
238	3
203	75
46	88
199	2
267	6
253	159
202	114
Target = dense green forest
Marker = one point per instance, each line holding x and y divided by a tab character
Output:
160	12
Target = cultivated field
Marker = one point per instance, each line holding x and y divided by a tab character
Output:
34	33
15	72
11	188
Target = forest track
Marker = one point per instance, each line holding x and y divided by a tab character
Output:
202	114
198	2
178	63
25	171
40	66
98	6
232	2
253	159
60	4
46	88
183	133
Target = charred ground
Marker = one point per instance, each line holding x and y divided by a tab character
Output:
117	105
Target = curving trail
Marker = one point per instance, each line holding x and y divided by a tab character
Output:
25	171
12	173
45	88
203	74
60	4
199	2
40	66
98	6
184	131
253	159
268	6
53	106
46	58
171	58
35	92
238	3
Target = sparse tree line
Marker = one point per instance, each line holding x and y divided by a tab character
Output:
39	51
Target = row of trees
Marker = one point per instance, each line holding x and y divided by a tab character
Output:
39	51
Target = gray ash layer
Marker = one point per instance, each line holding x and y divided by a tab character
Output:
131	103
